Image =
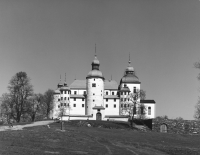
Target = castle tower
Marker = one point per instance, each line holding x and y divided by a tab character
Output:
130	79
95	88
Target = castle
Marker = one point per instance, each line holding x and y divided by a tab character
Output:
98	99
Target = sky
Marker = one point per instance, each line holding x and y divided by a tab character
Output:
48	38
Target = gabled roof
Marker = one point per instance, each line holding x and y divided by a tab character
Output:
110	84
78	84
81	84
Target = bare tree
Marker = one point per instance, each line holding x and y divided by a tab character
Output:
132	106
48	102
20	89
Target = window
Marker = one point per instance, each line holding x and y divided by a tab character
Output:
61	104
93	93
127	105
121	99
106	105
112	93
65	104
61	98
121	105
94	79
121	93
84	92
75	92
124	93
58	106
83	105
134	89
114	105
74	99
65	92
94	85
125	99
124	105
74	105
106	93
58	99
82	99
93	100
61	91
68	98
65	98
106	100
114	99
149	110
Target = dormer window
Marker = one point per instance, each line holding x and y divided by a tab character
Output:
93	84
106	93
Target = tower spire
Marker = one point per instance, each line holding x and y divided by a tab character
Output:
95	50
129	59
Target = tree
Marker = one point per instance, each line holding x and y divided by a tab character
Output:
132	106
20	89
197	66
197	110
48	102
5	102
197	106
34	106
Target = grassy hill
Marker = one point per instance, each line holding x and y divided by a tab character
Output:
112	138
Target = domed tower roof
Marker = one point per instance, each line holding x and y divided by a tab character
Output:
129	75
95	72
95	61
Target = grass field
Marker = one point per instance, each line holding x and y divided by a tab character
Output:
103	138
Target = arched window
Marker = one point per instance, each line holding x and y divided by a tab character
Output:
149	110
163	128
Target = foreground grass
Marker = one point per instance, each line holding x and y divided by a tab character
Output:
95	140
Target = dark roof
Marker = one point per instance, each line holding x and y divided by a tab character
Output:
147	101
98	107
81	84
77	96
110	84
95	73
130	78
64	88
111	96
78	84
125	89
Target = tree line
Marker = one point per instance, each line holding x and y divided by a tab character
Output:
21	104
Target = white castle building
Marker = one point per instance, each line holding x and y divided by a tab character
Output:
98	99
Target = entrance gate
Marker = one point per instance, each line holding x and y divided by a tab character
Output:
98	116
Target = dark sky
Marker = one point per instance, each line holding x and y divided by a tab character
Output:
46	38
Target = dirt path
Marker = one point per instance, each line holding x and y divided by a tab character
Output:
20	127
